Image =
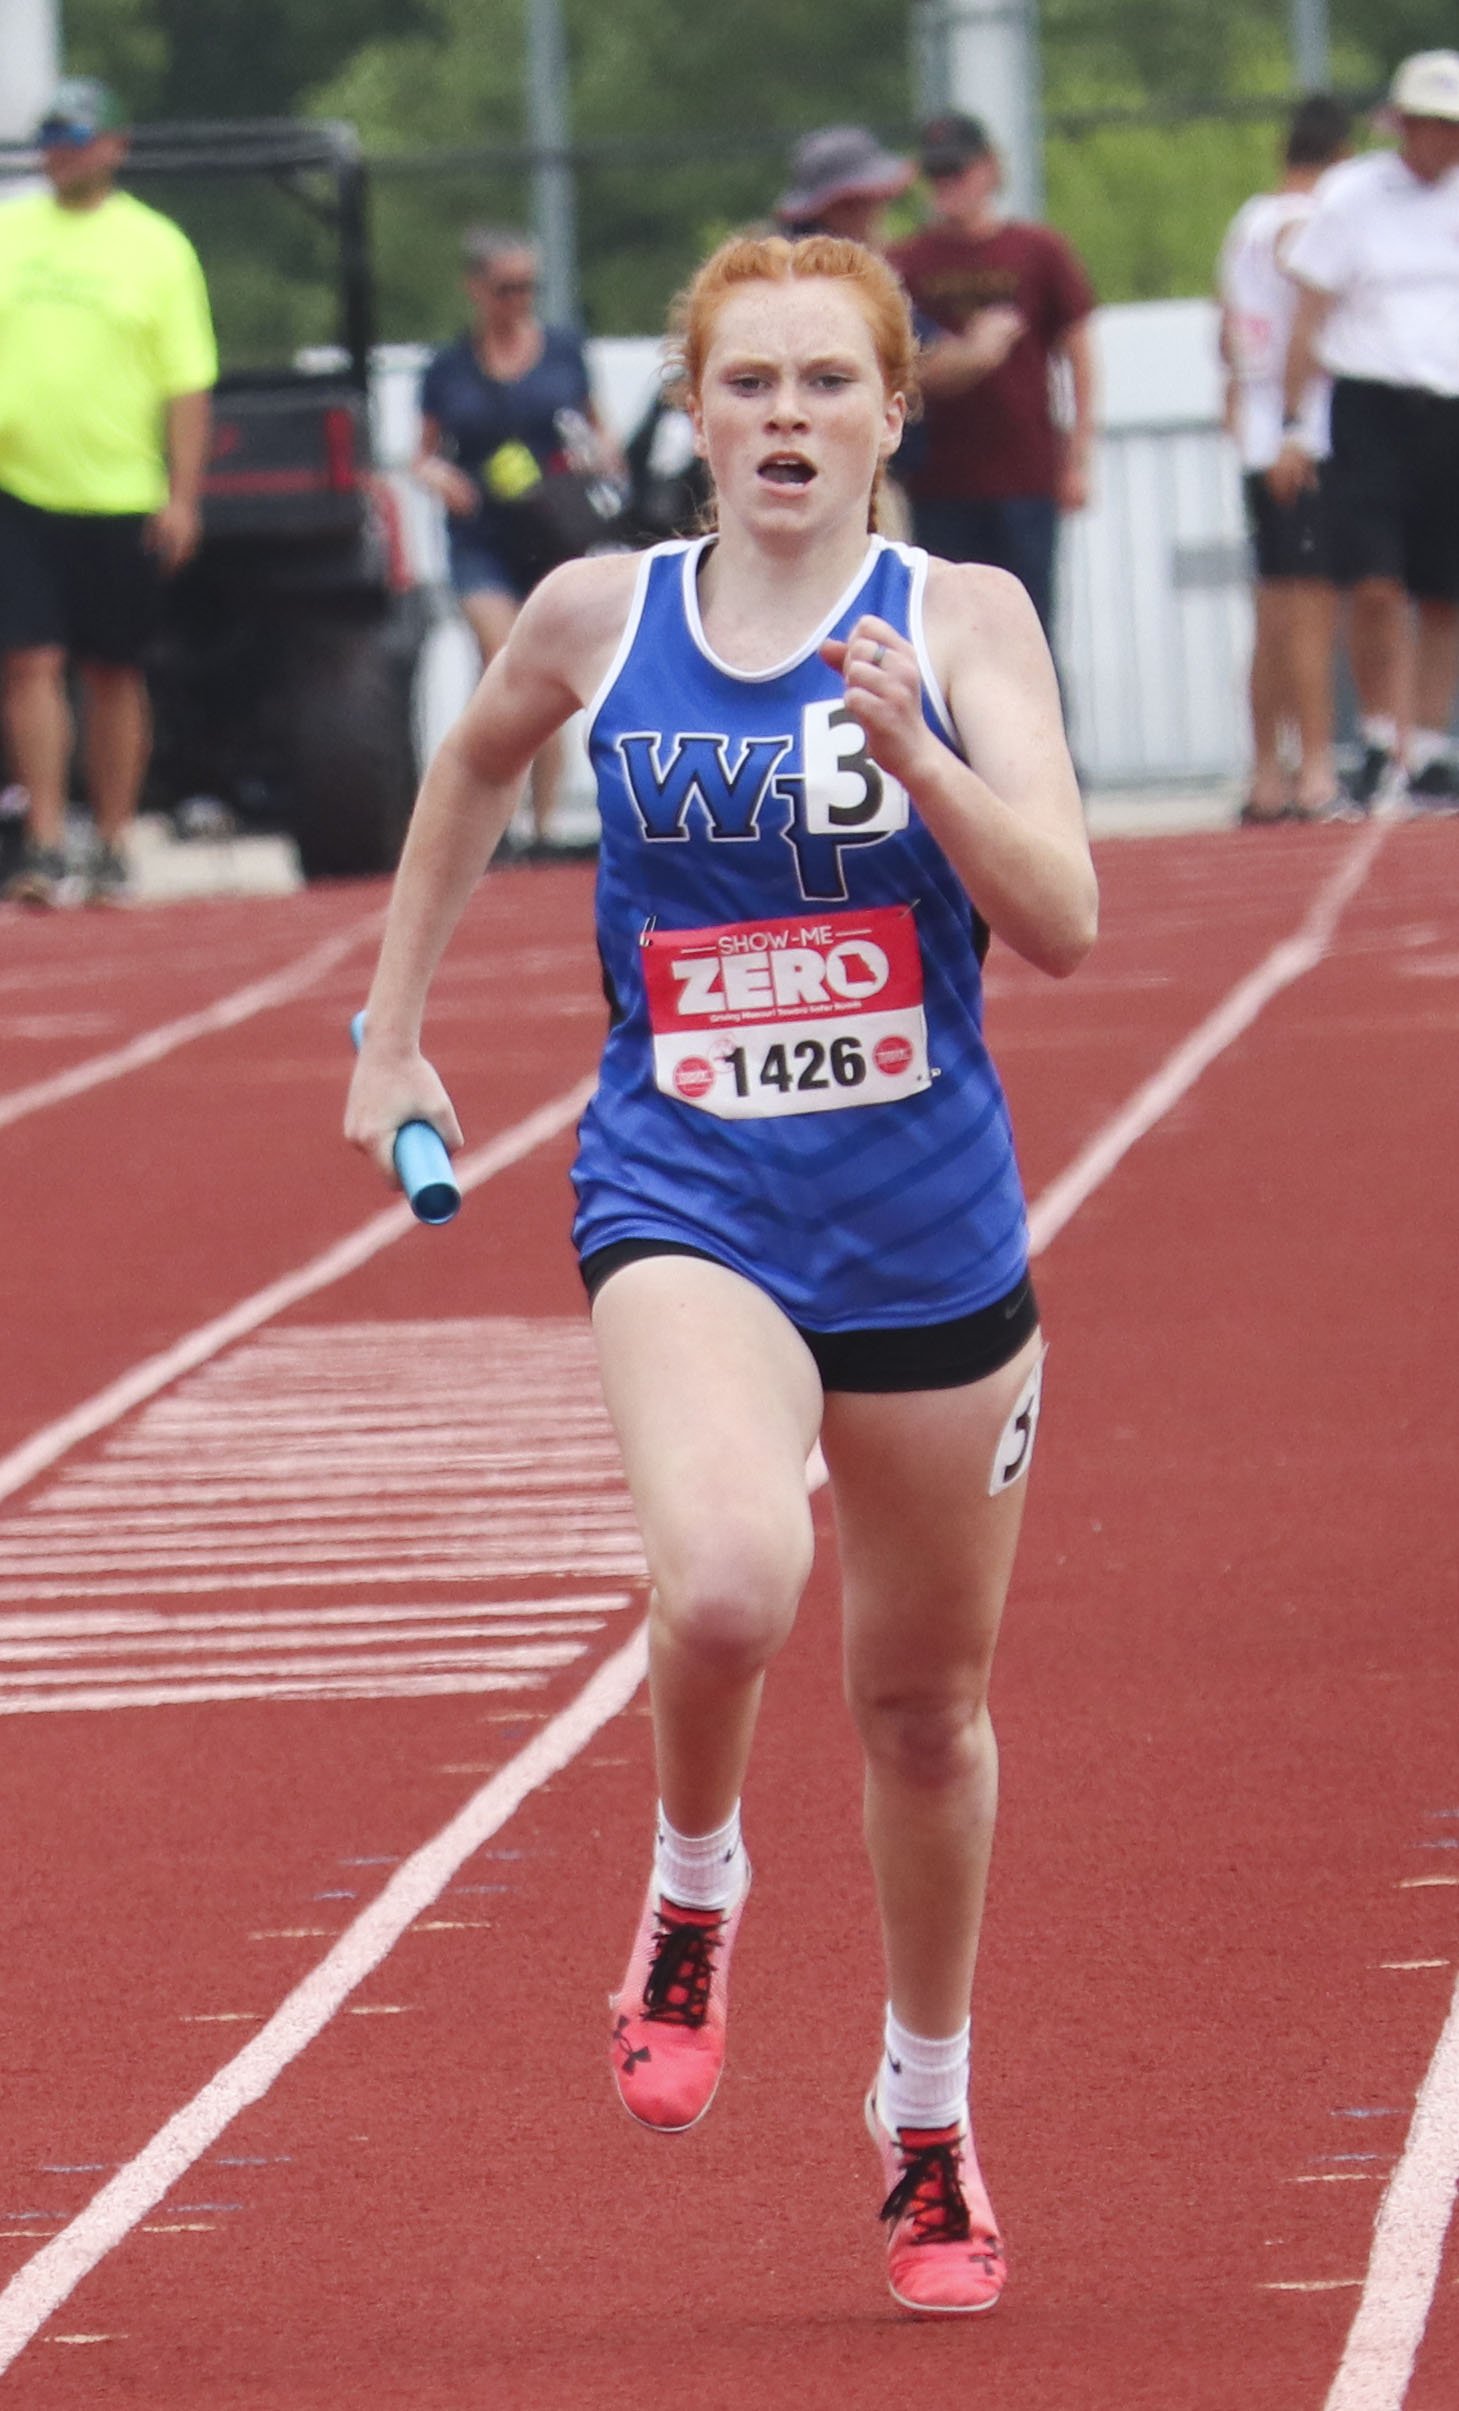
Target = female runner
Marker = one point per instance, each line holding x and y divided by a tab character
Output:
827	767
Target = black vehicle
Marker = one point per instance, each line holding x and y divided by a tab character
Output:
283	678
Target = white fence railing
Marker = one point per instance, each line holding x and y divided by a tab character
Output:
1154	611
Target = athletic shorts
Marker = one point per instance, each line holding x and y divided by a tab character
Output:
914	1356
84	581
1394	487
478	568
1289	540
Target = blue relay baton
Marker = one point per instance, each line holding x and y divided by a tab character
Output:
422	1164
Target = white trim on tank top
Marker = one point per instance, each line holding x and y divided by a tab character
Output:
630	628
911	555
876	545
917	563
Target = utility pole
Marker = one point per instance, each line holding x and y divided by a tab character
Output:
30	45
1311	48
983	56
554	198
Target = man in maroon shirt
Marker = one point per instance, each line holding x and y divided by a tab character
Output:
997	469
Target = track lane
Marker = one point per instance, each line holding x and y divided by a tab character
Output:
707	2312
169	1194
75	984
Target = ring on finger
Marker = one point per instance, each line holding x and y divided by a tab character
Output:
878	656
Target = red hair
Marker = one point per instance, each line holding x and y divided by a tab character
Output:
773	259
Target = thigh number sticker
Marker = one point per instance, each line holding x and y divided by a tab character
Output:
1014	1451
777	1017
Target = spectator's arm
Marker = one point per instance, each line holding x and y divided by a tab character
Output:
951	363
1302	363
1293	467
1074	475
177	528
441	477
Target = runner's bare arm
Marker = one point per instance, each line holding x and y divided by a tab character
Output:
549	667
1009	818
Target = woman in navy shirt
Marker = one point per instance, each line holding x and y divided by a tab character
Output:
499	406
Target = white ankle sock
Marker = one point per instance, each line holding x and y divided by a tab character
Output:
701	1870
922	2081
1379	728
1425	745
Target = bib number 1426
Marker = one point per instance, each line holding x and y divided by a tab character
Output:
779	1017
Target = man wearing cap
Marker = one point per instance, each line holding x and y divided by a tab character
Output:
1015	304
107	361
1378	267
841	181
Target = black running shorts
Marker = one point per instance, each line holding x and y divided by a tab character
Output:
1288	540
1394	487
84	581
914	1356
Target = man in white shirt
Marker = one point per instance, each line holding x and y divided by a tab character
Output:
1291	654
1378	263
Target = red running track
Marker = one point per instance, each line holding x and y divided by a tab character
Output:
1222	1943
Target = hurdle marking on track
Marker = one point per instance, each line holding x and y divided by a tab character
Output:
52	2274
198	1347
364	1403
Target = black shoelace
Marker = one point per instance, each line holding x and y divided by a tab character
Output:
677	1990
930	2187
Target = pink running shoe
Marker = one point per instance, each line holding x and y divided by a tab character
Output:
943	2252
669	2018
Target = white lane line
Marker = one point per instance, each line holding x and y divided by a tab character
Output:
151	1622
278	989
1408	2244
1181	1070
142	1650
606	1522
156	1372
52	2274
324	1504
105	1697
529	1563
73	1501
295	1662
511	1657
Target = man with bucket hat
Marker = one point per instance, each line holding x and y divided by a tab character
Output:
107	362
1378	267
841	181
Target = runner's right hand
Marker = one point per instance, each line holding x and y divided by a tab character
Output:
388	1090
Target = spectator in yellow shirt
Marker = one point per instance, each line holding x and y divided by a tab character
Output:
107	361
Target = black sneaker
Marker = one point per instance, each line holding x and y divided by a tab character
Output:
42	878
1368	786
1435	789
107	879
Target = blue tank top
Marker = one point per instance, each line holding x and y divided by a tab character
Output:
795	1079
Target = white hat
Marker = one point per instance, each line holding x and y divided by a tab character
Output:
1427	85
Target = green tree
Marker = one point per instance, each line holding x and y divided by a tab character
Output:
684	118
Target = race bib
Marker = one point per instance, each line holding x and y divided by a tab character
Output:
800	1016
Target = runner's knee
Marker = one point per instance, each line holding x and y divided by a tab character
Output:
928	1741
732	1608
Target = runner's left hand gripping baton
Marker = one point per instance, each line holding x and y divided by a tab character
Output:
421	1161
